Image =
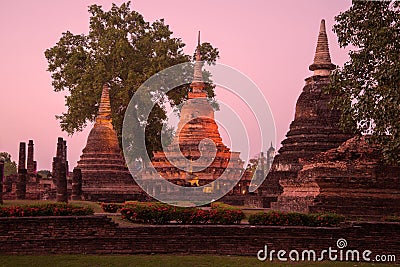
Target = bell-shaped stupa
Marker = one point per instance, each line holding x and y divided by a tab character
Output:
105	176
314	129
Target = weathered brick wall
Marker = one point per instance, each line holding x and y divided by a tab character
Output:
99	235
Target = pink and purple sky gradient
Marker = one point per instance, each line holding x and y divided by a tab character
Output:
272	42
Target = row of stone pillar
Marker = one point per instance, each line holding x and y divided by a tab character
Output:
59	172
23	163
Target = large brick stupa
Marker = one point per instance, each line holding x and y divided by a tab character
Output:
105	176
314	129
197	162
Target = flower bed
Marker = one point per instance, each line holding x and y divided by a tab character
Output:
158	213
225	214
48	209
294	219
111	207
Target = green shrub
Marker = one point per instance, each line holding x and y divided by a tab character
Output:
268	218
191	215
225	214
295	219
111	207
154	213
48	209
325	219
158	213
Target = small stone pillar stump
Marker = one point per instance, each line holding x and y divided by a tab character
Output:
77	184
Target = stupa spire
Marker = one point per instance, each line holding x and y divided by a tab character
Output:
198	54
104	112
197	84
322	64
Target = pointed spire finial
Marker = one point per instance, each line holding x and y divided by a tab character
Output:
198	54
322	64
104	112
197	84
198	40
271	148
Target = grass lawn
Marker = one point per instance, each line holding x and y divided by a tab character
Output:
155	260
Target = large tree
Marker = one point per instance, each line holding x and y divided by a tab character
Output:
10	167
367	88
123	50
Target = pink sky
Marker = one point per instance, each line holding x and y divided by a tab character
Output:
272	42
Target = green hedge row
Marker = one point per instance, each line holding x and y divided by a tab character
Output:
48	209
158	213
295	219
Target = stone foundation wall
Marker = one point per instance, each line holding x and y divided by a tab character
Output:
99	235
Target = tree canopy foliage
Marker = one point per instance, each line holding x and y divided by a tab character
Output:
123	50
10	167
367	88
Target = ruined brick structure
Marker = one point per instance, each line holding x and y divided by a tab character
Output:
191	159
314	129
351	179
27	184
104	174
321	169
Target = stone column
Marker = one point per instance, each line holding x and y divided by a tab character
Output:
20	189
30	162
22	156
21	184
77	184
60	172
65	156
60	148
60	178
1	178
